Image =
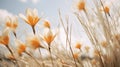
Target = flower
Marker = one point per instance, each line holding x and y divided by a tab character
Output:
12	23
106	9
21	49
4	38
49	37
46	24
78	45
34	42
31	17
75	55
81	5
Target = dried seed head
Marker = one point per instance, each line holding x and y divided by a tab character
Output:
96	53
104	44
81	5
107	58
117	37
78	45
94	62
87	48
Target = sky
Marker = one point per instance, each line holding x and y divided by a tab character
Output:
48	8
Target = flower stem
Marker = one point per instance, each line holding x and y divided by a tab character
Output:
33	28
12	55
33	58
15	34
41	58
51	56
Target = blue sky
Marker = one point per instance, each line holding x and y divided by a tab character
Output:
49	7
50	10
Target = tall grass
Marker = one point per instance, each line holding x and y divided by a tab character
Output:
99	21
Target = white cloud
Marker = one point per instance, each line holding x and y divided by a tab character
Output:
24	1
33	1
3	15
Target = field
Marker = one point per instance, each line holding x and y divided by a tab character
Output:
31	40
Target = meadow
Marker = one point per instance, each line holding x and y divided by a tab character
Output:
42	46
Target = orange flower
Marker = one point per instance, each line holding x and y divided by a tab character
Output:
78	45
31	17
75	55
21	49
4	38
81	5
106	9
12	23
49	37
8	24
34	42
46	24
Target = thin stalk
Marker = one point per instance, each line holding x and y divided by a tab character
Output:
90	36
33	28
66	32
33	58
108	30
15	34
71	47
41	58
12	55
67	38
51	57
80	50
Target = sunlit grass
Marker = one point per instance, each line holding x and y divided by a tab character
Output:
100	23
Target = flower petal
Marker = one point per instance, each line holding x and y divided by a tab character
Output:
23	17
35	13
29	12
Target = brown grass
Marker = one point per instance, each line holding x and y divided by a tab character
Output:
101	28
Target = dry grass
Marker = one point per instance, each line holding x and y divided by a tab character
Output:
100	23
